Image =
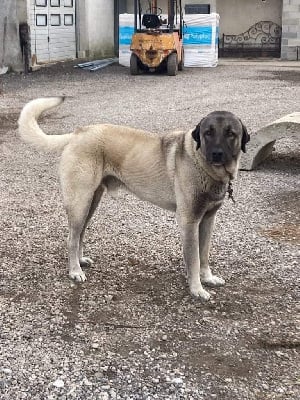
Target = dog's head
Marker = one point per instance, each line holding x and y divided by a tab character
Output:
221	136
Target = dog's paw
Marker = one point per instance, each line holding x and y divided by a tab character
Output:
78	276
86	262
199	293
213	281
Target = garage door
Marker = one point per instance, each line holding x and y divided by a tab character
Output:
52	30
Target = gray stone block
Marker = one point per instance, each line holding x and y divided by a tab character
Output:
290	35
292	54
284	42
262	143
290	21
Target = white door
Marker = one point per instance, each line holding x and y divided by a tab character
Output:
53	36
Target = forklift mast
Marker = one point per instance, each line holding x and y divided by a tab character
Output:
153	7
174	8
171	14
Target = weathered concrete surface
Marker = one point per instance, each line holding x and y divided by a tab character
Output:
261	145
10	53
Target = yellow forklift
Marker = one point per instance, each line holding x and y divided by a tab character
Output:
156	43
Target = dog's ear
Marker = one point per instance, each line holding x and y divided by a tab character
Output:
196	135
245	137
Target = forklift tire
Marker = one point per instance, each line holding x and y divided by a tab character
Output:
172	64
134	66
181	63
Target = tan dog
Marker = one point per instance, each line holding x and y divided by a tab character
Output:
187	173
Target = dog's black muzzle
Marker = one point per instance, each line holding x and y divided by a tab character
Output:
217	156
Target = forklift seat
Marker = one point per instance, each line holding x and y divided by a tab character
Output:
151	21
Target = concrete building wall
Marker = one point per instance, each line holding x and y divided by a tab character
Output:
10	54
236	16
290	42
95	24
22	11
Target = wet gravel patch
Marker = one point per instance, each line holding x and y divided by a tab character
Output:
287	75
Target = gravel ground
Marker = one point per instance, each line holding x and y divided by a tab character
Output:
132	331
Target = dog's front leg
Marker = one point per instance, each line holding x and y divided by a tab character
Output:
190	242
205	233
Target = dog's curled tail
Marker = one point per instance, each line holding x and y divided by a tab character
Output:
30	131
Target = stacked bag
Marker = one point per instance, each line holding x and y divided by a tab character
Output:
126	29
200	40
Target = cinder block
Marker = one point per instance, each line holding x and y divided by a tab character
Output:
290	21
285	29
294	42
290	35
294	28
292	8
291	54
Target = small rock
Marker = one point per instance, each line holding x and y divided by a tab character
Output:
177	381
103	396
59	383
265	386
108	298
2	384
86	382
7	371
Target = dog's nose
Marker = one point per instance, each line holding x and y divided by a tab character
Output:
217	155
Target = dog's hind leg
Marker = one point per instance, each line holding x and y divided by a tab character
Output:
77	215
80	181
86	261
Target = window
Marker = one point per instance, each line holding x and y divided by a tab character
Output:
197	8
41	3
68	19
68	3
55	19
55	3
41	20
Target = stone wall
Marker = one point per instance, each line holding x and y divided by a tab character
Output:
290	42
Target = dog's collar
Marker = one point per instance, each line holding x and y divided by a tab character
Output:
230	191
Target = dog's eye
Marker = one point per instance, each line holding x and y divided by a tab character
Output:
230	134
208	133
